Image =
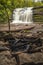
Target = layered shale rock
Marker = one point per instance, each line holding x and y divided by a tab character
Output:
22	48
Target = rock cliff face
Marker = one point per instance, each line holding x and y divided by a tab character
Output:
22	48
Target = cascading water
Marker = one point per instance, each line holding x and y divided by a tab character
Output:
22	15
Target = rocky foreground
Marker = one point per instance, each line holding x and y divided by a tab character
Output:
22	48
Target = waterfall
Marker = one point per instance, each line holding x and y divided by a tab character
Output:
22	15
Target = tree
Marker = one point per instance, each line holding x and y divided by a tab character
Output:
7	7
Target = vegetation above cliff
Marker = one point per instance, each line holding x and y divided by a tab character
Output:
7	7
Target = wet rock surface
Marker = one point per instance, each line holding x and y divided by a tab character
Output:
22	48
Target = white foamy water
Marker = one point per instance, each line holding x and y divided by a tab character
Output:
22	15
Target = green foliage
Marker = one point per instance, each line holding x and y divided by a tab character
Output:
38	4
7	7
